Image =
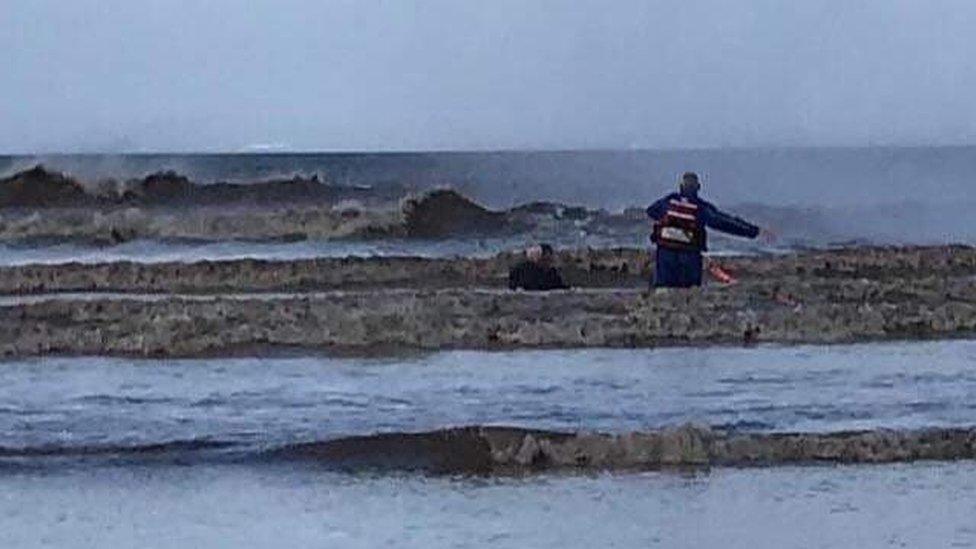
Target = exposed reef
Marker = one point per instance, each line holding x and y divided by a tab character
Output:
588	268
920	294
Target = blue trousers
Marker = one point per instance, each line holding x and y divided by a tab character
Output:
677	269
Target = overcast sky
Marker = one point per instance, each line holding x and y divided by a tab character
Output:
222	75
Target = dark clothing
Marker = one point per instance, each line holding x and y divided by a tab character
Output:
532	276
677	269
711	217
683	269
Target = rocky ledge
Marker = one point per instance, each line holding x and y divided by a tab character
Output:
379	305
818	311
586	268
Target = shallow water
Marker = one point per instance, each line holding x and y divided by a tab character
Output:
921	505
151	251
63	405
77	469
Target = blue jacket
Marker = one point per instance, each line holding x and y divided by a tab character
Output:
710	217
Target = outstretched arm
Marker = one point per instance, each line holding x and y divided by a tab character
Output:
727	223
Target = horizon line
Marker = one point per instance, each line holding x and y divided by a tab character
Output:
499	150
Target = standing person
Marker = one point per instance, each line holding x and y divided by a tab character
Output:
536	273
680	222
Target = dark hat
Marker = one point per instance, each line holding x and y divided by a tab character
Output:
689	177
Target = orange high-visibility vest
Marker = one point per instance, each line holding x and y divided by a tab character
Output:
679	229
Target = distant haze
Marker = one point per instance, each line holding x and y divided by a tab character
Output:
221	75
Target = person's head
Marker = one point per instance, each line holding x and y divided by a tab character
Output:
689	184
540	253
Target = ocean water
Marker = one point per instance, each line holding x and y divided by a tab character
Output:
918	505
239	407
149	251
812	177
102	452
113	452
815	196
152	251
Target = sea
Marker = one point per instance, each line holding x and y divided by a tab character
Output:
158	453
612	179
113	452
813	197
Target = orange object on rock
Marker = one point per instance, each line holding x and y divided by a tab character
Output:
721	274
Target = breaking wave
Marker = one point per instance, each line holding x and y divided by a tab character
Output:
513	450
44	208
38	187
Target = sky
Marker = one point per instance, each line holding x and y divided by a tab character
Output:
326	75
